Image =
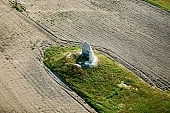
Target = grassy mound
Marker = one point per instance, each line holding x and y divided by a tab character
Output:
109	87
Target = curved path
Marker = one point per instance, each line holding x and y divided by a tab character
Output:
133	31
25	86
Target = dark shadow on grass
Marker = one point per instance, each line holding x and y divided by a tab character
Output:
80	60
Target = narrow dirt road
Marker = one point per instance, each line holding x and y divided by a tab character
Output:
25	86
136	33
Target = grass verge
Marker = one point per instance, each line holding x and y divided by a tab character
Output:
109	87
165	4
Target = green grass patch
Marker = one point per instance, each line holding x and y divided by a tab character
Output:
18	8
165	4
108	87
2	49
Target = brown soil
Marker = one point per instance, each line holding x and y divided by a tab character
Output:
134	32
25	84
131	32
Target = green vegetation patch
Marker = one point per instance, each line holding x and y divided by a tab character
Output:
165	4
108	87
2	49
18	8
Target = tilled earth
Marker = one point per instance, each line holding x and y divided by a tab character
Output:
134	32
131	32
25	84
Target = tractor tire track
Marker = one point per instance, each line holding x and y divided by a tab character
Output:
134	32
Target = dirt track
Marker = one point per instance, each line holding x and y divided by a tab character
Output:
133	32
25	86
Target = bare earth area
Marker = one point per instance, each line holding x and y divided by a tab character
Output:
25	86
132	32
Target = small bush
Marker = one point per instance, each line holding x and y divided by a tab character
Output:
18	8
